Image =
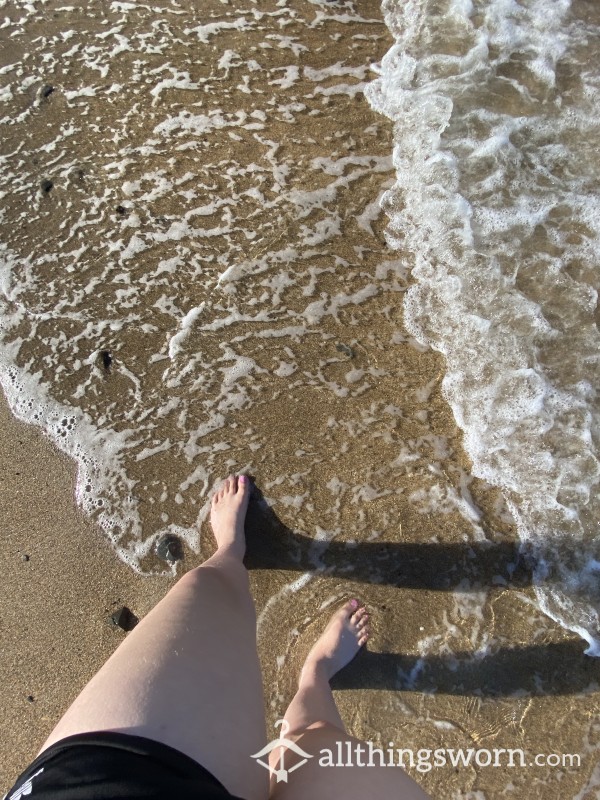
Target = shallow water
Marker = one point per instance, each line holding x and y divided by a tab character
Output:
209	255
496	206
190	239
207	287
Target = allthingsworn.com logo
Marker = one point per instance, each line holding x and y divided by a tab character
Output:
366	754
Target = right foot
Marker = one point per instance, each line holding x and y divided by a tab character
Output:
347	631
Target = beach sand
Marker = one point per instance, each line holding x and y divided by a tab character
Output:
57	598
374	495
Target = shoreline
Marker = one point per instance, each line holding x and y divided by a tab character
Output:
61	583
56	606
249	189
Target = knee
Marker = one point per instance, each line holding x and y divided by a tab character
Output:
226	583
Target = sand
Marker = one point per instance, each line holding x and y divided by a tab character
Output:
503	675
57	597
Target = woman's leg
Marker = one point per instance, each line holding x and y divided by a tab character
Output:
188	675
315	725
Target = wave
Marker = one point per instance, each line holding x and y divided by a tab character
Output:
496	209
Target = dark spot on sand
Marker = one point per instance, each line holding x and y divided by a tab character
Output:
170	549
30	698
46	90
124	619
122	211
25	557
46	185
106	359
343	348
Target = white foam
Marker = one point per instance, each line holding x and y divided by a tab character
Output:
478	179
175	342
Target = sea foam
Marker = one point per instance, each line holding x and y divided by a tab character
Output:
496	210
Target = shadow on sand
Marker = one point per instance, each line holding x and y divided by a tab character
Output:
539	669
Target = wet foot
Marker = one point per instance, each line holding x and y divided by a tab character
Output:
347	631
228	512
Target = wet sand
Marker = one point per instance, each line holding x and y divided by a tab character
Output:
55	609
374	498
57	597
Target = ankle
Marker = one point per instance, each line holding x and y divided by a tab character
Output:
231	551
314	671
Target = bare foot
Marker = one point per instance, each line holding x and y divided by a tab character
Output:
227	514
347	631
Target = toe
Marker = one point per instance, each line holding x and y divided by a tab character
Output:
223	490
350	607
358	614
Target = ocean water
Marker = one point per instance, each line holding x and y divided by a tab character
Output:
197	274
496	207
157	208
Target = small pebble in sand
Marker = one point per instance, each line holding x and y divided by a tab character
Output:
169	549
343	348
106	359
124	619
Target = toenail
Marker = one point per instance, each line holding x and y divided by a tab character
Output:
243	478
353	603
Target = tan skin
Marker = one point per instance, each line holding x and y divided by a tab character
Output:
196	666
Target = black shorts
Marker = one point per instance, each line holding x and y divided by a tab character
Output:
115	766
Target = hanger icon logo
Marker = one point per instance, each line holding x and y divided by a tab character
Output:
280	772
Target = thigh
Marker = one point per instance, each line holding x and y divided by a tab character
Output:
187	676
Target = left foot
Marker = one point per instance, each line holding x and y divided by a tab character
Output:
227	514
347	632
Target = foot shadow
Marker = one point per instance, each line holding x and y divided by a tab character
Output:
436	567
532	670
